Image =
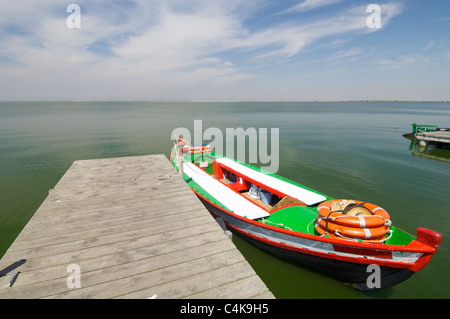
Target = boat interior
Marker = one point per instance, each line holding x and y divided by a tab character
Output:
282	204
255	191
269	202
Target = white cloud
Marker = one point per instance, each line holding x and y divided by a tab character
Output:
140	48
404	61
288	39
308	5
430	45
352	52
230	79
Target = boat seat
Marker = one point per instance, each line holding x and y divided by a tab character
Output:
230	199
306	196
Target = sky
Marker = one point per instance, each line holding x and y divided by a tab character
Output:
265	50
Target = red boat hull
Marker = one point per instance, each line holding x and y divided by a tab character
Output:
358	265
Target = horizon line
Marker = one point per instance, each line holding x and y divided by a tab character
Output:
229	101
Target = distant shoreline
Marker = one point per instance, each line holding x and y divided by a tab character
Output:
228	101
323	101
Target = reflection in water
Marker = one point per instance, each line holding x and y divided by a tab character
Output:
433	151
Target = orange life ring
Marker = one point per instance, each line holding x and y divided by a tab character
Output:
321	231
379	217
198	149
354	232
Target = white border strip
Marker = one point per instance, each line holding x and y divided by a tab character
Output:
304	195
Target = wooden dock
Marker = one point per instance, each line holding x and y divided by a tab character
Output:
438	136
125	228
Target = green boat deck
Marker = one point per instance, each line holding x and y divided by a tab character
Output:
302	219
295	218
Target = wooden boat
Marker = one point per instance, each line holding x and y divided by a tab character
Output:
353	241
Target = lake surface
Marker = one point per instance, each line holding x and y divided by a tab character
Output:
343	149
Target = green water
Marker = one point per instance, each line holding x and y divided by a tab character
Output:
344	150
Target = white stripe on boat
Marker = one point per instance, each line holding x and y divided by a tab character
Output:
304	195
230	199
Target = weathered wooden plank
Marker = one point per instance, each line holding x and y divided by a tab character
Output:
142	281
100	221
107	272
438	136
113	233
105	268
244	288
66	217
187	287
84	249
134	228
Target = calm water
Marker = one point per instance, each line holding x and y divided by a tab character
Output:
345	150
